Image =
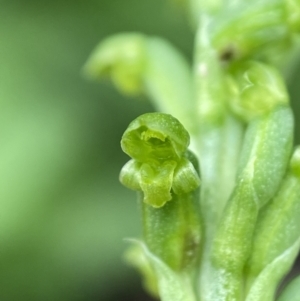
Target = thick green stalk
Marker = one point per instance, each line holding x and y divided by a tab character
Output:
220	133
219	142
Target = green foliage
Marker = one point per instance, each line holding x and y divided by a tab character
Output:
238	237
171	285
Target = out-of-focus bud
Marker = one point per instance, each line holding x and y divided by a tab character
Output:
142	65
249	28
293	14
121	58
257	89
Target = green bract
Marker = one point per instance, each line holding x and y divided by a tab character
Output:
136	257
171	285
266	151
277	236
158	144
263	162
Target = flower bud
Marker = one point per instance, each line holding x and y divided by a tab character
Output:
257	89
157	143
122	58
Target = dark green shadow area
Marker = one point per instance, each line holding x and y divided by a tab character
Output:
63	213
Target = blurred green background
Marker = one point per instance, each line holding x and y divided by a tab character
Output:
63	213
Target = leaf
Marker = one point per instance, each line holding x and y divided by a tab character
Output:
172	286
265	285
278	224
266	151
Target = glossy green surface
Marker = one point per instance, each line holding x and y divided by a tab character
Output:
157	143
